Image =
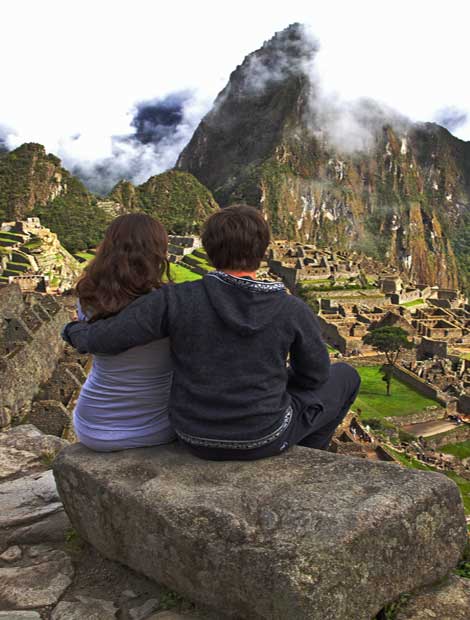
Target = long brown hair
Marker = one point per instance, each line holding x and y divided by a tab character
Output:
130	261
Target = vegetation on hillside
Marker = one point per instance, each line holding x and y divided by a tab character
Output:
177	199
27	175
75	217
181	274
461	450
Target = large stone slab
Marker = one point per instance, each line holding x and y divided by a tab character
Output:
28	499
39	579
85	607
24	448
307	534
31	511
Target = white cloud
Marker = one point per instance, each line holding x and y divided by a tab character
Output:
79	68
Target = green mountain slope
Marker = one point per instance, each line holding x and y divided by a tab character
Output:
33	182
177	199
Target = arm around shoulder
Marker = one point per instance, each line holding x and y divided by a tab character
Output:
142	321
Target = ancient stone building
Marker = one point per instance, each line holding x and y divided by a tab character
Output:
30	348
33	257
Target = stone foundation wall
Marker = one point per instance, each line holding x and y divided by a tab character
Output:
34	347
424	388
460	433
11	302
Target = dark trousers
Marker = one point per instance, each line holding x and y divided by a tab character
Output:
312	425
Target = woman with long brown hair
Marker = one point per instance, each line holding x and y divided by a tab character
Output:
124	401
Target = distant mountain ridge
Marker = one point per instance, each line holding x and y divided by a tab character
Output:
405	195
33	182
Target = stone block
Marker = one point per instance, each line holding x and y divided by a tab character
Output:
307	534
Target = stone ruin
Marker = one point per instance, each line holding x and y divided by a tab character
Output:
32	257
39	376
296	262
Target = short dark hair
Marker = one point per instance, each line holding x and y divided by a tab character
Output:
236	238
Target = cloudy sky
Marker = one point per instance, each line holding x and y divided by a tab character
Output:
78	76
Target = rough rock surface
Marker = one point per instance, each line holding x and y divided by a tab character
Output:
30	507
37	580
86	607
19	615
28	499
143	611
449	600
53	528
307	534
24	448
170	615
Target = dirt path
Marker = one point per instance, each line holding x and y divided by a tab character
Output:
427	429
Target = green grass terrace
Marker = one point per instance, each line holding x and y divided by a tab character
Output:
180	274
461	450
374	402
412	304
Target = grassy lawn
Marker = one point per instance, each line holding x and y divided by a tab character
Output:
85	255
181	274
374	402
462	450
416	302
202	262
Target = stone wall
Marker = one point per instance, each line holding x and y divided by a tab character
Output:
426	415
287	274
424	388
32	347
11	302
463	405
457	435
429	348
332	336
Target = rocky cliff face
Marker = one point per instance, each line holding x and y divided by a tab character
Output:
29	177
176	198
345	176
33	182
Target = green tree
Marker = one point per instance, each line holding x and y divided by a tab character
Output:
391	341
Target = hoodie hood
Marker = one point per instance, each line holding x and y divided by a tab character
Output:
246	306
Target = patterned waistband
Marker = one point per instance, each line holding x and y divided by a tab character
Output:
230	444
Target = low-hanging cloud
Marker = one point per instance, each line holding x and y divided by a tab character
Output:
157	120
451	118
162	127
5	134
347	126
351	126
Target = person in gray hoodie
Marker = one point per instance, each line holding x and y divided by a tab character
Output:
252	375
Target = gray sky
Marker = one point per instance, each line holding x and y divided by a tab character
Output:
72	72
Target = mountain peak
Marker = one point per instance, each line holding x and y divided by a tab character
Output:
346	175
